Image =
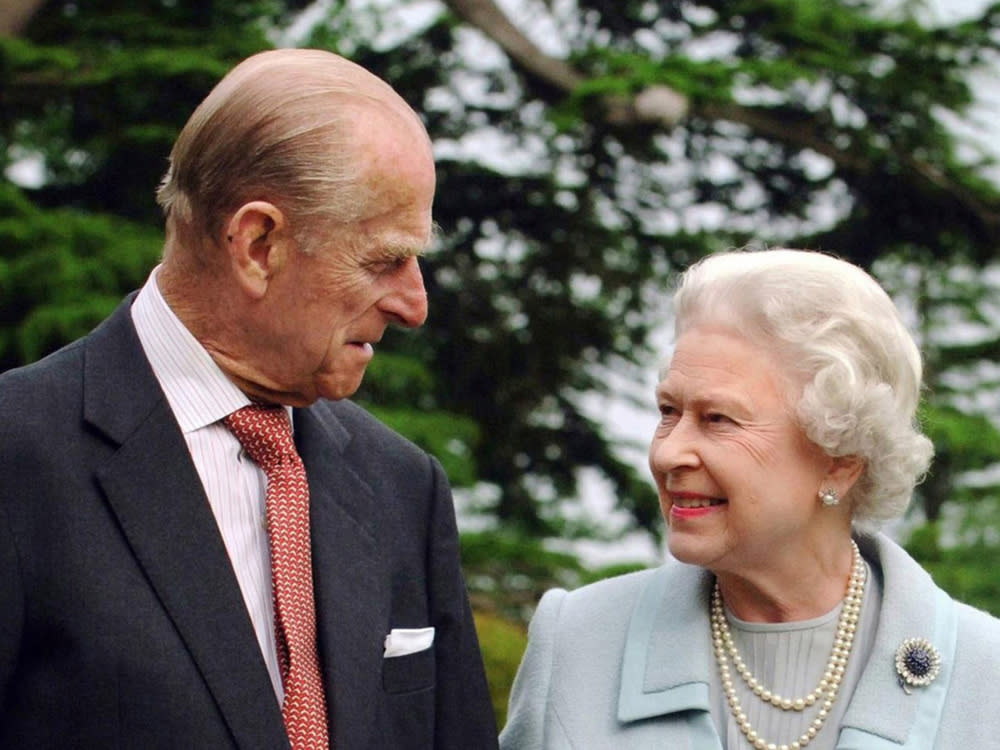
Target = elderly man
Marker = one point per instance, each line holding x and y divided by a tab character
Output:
189	561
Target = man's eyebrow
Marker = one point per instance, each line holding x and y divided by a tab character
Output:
399	251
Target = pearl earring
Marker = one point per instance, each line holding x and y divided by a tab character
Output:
829	497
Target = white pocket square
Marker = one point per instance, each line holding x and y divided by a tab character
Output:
403	641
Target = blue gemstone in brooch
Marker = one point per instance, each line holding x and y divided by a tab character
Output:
917	663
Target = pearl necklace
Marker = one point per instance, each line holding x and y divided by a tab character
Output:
829	683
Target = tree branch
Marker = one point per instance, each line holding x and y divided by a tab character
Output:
488	18
656	104
665	107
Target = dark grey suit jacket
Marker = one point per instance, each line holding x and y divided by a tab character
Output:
121	621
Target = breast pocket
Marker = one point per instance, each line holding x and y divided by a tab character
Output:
409	673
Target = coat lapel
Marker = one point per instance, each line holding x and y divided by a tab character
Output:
157	496
664	675
351	583
882	715
667	675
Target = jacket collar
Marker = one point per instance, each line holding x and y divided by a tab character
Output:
167	521
665	674
169	525
668	651
881	713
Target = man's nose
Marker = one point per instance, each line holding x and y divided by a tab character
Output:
407	302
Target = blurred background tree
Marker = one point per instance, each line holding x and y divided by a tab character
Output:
587	149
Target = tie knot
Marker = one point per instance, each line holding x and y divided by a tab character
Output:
265	433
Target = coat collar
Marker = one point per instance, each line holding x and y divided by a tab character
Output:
168	523
668	652
663	675
881	713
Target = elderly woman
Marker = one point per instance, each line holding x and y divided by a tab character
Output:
787	434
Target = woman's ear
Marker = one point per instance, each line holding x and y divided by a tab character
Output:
843	473
258	245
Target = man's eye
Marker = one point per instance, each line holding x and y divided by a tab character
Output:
387	265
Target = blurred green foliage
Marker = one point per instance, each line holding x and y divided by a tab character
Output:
966	571
506	574
503	644
812	124
80	264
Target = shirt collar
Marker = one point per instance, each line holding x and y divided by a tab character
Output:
198	392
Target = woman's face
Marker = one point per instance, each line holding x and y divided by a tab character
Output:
737	478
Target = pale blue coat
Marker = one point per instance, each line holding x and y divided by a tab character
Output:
624	664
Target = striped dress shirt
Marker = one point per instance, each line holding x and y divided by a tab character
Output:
200	396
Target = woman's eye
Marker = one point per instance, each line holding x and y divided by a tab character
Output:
668	413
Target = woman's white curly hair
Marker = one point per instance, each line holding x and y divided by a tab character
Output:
836	332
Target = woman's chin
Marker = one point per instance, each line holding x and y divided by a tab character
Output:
689	548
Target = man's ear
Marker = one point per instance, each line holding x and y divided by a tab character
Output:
258	244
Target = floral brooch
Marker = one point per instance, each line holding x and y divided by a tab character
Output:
917	663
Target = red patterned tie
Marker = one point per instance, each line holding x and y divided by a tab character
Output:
266	435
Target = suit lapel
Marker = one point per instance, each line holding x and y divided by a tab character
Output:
352	594
157	496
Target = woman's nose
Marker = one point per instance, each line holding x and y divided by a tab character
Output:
674	449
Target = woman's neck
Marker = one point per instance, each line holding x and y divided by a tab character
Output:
793	587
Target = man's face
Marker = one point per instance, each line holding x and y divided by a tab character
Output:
331	306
